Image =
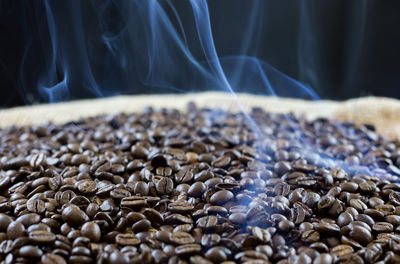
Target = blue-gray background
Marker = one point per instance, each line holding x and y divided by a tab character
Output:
339	48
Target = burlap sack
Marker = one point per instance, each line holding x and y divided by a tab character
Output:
384	113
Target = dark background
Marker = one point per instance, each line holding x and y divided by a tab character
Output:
340	48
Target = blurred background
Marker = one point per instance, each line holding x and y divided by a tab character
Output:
53	51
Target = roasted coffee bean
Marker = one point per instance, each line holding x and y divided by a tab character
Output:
310	236
74	216
188	249
198	187
382	227
261	234
181	238
153	216
87	186
5	220
164	186
30	252
210	240
221	197
15	230
42	236
29	219
127	240
51	258
361	234
35	206
141	225
207	222
91	230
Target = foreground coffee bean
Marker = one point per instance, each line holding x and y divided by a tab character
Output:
201	186
74	216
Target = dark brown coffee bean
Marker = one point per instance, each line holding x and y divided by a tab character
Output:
141	225
42	236
178	219
139	152
261	234
29	219
127	240
361	235
374	252
310	236
119	193
216	255
50	258
382	227
181	238
35	206
221	162
238	218
140	188
323	258
74	216
207	222
358	205
6	246
5	220
87	186
197	189
91	230
164	186
30	252
153	216
184	176
187	249
134	202
119	257
221	197
210	240
15	230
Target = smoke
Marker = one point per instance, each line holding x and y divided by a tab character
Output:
94	48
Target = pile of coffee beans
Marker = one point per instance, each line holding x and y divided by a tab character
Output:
199	186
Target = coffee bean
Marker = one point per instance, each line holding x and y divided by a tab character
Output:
164	186
238	218
216	255
221	162
5	220
210	240
187	249
91	230
36	206
197	189
30	252
15	230
74	216
207	222
361	235
261	234
141	225
310	236
51	258
221	197
42	236
153	216
87	186
374	252
382	227
200	185
127	240
29	219
181	238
